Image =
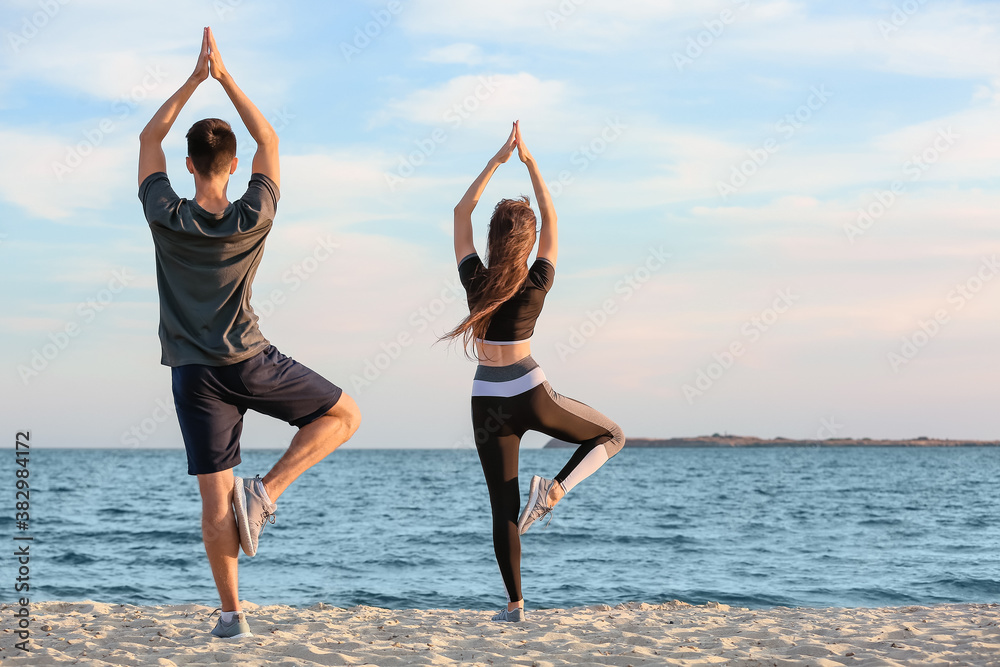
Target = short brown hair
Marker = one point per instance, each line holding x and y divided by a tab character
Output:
211	146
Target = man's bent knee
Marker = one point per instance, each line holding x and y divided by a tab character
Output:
346	411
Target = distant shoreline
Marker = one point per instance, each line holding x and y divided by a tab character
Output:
748	441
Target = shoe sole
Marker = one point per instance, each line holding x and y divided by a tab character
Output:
239	636
242	523
536	482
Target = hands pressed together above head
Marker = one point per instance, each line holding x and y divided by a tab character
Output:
209	60
151	157
513	141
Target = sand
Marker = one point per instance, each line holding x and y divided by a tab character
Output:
93	633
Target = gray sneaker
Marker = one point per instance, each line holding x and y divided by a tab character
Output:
516	616
538	504
252	511
234	630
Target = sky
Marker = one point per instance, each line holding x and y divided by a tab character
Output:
776	218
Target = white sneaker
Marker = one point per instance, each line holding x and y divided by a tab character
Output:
235	629
252	511
516	616
538	504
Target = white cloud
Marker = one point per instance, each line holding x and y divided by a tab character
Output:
339	187
479	100
594	25
105	48
462	53
685	163
954	40
34	174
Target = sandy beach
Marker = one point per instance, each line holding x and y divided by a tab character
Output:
92	633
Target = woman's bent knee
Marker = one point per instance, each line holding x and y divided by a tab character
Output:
617	441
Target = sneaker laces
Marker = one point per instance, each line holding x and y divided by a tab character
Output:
542	505
545	510
266	516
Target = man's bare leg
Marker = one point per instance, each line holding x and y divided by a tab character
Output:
218	530
312	444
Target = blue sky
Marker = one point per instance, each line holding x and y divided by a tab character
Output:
742	139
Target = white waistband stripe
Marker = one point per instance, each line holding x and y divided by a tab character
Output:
530	380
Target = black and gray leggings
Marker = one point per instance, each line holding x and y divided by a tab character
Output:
506	402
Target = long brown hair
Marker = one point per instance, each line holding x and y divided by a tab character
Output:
510	240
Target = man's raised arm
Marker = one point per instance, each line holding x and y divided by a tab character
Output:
151	157
265	160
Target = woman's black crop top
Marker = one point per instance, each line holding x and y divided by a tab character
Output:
514	321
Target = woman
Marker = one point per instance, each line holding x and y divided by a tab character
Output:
510	394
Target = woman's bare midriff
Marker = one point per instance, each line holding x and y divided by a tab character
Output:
502	355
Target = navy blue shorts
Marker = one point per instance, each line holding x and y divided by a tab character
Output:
211	401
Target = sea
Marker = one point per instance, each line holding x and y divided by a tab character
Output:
404	528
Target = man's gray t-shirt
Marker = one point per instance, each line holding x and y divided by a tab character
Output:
205	266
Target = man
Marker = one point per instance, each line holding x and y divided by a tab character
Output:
207	253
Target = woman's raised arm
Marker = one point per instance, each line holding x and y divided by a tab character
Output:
548	239
463	210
